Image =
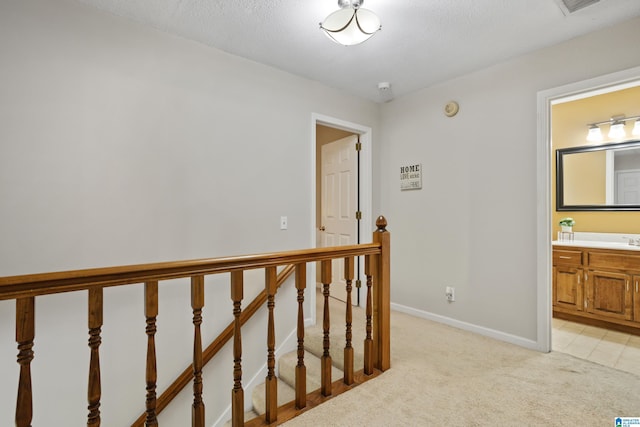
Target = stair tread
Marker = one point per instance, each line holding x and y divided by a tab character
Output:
285	394
287	368
337	331
249	415
313	343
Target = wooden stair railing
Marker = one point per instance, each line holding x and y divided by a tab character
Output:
212	349
24	290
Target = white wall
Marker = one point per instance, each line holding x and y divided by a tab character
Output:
473	224
119	145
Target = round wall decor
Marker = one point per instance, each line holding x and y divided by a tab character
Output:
451	109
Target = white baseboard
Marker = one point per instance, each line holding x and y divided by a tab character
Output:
481	330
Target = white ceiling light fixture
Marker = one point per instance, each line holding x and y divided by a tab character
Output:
636	128
351	24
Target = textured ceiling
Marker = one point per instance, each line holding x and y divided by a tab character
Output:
422	42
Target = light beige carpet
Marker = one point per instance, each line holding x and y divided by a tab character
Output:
443	376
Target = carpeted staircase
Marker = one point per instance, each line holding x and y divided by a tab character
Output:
313	352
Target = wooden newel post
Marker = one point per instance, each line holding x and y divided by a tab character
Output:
382	297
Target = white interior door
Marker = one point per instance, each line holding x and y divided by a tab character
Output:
339	203
628	187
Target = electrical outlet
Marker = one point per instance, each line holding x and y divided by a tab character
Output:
283	223
450	292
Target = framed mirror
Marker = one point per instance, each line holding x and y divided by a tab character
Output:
598	178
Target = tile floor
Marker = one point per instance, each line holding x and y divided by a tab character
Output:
610	348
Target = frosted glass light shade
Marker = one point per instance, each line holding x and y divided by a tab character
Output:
349	26
595	134
636	128
617	130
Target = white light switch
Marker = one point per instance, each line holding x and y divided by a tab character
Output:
283	223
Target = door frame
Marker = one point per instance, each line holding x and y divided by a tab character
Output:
365	226
593	86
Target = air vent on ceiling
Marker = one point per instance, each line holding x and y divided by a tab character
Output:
570	6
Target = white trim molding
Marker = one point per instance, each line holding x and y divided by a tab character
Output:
367	224
487	332
546	98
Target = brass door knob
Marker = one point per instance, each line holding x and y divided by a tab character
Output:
322	228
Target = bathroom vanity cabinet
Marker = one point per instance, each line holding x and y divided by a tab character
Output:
598	286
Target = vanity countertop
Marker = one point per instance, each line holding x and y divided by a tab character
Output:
596	244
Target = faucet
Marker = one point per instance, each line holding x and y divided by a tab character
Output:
633	241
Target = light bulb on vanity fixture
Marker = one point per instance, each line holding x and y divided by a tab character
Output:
616	128
595	134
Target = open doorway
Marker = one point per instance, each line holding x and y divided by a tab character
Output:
349	145
547	221
337	197
593	306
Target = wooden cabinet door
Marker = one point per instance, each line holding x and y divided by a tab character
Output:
636	298
568	288
609	294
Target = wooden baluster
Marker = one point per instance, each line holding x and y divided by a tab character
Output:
151	313
271	383
368	342
325	364
348	349
197	302
301	369
237	394
382	297
95	328
25	333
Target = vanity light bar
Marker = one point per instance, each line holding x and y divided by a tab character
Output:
616	129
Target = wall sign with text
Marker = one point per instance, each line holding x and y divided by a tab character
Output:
411	177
